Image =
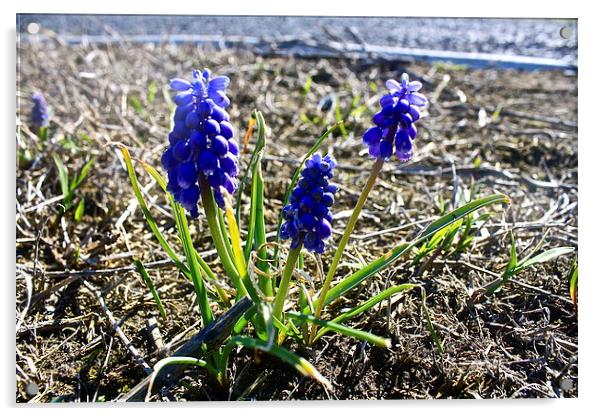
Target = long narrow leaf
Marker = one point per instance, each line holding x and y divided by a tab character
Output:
204	266
151	286
195	271
429	323
150	220
384	261
342	329
545	256
172	361
369	304
573	277
300	364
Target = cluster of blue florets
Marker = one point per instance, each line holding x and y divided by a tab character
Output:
202	149
395	130
39	112
307	217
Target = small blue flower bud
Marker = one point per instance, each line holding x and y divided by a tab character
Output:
180	84
226	129
208	162
181	151
187	175
219	145
211	127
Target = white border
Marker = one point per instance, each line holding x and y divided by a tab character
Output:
589	159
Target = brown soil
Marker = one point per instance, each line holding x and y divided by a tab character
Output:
520	342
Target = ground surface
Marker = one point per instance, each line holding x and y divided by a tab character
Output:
499	131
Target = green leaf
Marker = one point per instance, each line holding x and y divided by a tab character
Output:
342	329
429	323
174	207
79	210
573	276
63	176
461	212
151	286
307	86
150	220
513	260
545	256
135	102
172	361
369	304
83	173
300	364
193	265
387	259
152	91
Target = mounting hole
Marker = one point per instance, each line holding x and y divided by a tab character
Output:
32	389
33	28
566	32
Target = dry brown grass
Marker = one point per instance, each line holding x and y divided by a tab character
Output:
521	342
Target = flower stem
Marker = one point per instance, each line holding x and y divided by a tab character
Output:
282	292
376	168
218	238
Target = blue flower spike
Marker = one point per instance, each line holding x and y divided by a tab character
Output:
201	141
39	112
395	129
307	217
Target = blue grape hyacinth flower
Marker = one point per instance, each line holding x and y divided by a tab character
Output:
395	130
201	142
307	217
39	113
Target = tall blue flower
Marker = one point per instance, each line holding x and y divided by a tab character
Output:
307	217
201	141
39	111
395	128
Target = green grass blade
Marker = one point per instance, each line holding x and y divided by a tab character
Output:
369	304
513	259
429	323
544	257
573	277
204	266
342	329
300	364
150	220
384	261
83	173
195	271
461	212
173	361
63	174
151	286
79	210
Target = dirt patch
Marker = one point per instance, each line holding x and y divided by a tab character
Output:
495	131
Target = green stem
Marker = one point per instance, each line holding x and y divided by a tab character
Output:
212	278
217	236
376	168
282	292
